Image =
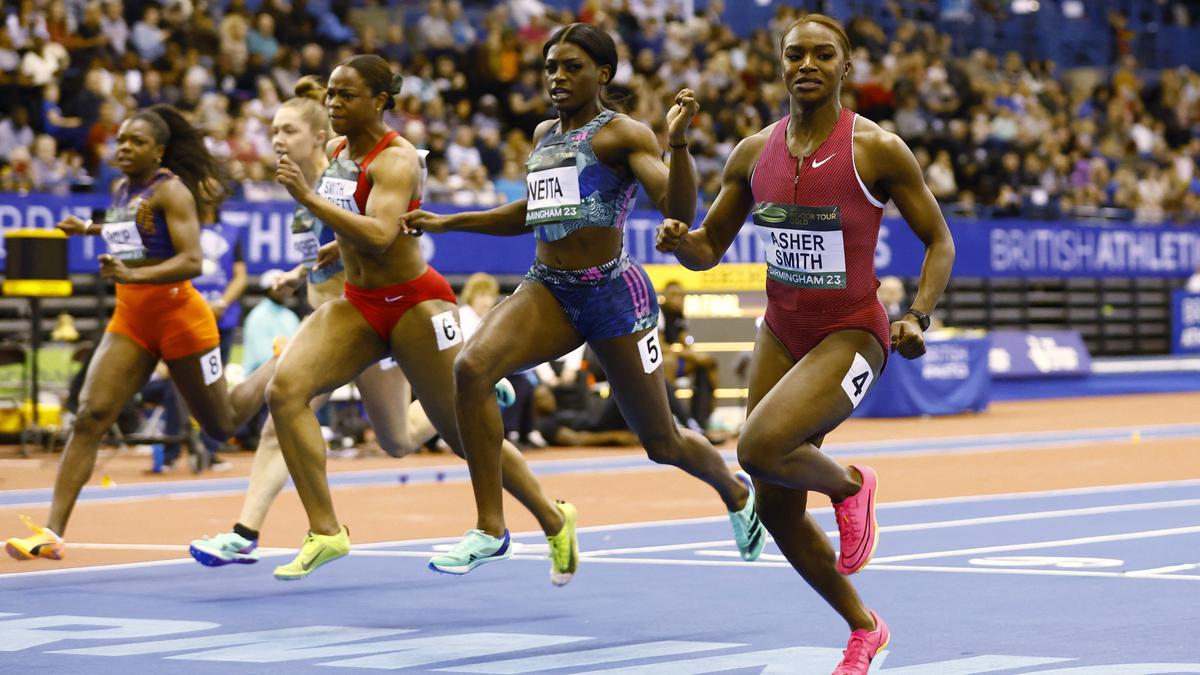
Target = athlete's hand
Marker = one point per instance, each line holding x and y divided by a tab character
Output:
74	225
287	283
327	255
680	116
114	269
288	174
670	235
218	307
907	337
417	222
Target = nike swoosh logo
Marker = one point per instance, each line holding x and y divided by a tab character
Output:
307	564
398	297
817	165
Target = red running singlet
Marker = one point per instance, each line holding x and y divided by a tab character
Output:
819	226
362	188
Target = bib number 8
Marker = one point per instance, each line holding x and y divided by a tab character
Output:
210	365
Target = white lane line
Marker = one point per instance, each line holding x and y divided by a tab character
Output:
1132	487
1027	572
936	525
1166	570
1077	541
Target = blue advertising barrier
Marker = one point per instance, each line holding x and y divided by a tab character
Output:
1019	354
952	377
1185	323
1002	248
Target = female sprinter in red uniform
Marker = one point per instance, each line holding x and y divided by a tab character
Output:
153	238
815	183
394	304
583	287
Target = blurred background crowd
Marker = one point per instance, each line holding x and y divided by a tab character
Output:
997	134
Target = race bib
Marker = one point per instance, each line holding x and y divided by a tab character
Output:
210	364
123	240
306	245
651	352
803	245
446	328
338	184
552	190
857	380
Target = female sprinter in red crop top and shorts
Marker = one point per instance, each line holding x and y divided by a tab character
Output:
394	305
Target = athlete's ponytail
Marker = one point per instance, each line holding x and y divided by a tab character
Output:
309	101
186	155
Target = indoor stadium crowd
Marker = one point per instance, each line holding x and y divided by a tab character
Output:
997	136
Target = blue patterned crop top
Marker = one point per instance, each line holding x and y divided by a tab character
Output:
568	188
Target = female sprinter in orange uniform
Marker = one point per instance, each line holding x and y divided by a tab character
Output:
394	304
815	183
153	238
583	287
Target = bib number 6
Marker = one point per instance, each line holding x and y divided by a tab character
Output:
651	352
446	328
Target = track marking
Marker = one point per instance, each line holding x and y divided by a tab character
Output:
1098	539
1132	487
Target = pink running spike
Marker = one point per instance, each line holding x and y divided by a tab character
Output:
856	524
862	648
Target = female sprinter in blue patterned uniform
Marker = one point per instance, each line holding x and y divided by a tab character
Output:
582	178
153	236
394	304
815	183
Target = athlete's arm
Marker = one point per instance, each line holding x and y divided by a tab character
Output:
672	188
702	248
502	221
237	284
183	226
901	179
394	174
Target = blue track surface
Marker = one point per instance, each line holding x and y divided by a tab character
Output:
1045	583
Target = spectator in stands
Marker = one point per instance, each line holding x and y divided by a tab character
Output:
15	132
148	37
269	319
51	173
891	296
681	360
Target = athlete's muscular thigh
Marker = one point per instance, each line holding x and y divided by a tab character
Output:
425	343
641	395
525	329
334	344
116	372
809	399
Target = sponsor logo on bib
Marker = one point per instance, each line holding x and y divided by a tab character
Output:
804	244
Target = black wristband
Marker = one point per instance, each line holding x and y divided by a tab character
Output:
681	145
921	317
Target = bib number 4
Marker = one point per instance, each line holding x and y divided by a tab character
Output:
858	380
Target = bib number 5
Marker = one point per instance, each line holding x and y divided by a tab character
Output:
651	352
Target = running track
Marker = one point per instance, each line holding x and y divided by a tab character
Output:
1102	581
